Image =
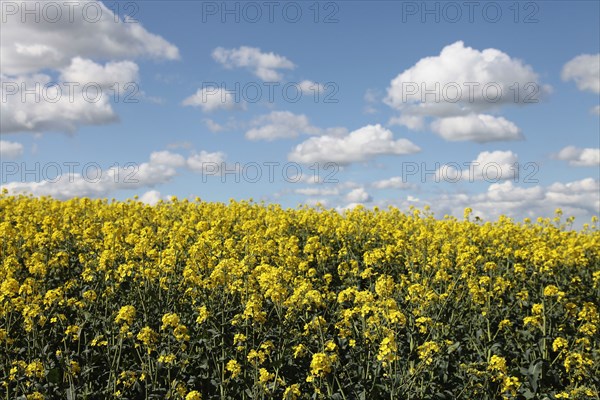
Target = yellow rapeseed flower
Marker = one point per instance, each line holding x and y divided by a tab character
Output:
126	315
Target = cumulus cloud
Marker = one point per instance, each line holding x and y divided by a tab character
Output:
508	192
578	198
84	71
412	122
31	46
167	158
151	197
360	145
161	168
479	128
10	150
309	88
206	162
395	182
461	85
82	96
97	183
488	166
55	59
358	195
212	99
583	185
466	77
280	125
266	66
587	157
585	71
58	107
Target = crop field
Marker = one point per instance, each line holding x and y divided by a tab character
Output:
195	300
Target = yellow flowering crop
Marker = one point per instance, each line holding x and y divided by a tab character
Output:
126	314
321	364
191	300
234	368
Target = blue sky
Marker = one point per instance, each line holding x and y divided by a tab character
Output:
363	55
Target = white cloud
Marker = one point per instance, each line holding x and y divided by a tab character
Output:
575	187
69	111
579	198
337	132
595	110
280	125
412	122
359	145
588	157
161	168
206	162
10	150
167	158
114	75
310	89
60	54
263	65
99	184
30	46
311	179
508	192
462	82
358	195
151	197
395	182
453	70
489	166
82	96
504	161
585	71
479	128
212	99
